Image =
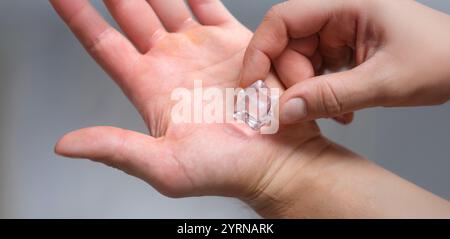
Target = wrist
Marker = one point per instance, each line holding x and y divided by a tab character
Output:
290	178
312	183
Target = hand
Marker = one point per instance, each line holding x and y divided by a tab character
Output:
400	50
283	175
168	49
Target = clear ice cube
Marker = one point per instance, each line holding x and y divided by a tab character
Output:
253	105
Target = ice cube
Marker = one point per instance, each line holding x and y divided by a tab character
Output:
253	105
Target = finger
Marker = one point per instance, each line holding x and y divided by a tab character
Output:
293	67
316	61
306	46
290	19
211	12
345	119
134	153
111	50
138	20
298	61
129	151
336	42
332	95
273	82
174	14
335	57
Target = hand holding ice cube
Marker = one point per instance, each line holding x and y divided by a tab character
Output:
295	173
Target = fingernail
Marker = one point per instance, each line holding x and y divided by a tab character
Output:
293	111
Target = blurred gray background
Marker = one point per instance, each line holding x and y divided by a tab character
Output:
50	86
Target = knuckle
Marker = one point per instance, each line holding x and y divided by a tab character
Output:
329	102
103	40
274	12
272	29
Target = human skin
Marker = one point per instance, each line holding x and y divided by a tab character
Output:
398	53
295	173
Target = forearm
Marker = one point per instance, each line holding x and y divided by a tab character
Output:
340	184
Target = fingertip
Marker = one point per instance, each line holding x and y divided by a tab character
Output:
68	145
298	102
293	111
58	148
292	67
87	143
345	119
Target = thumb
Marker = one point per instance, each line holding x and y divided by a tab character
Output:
136	154
329	96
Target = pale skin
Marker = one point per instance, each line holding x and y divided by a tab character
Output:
397	52
295	173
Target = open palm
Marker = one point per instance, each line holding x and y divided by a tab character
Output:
165	49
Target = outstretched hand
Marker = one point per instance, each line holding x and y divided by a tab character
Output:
166	48
295	173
